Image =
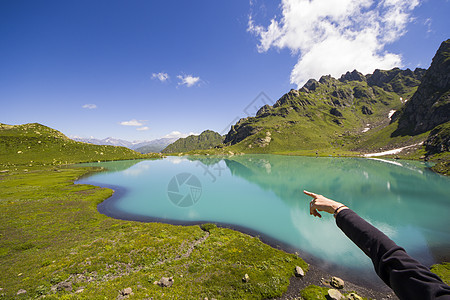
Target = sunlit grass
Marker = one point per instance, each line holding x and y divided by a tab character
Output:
51	232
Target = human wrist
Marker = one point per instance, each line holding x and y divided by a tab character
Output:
335	205
339	208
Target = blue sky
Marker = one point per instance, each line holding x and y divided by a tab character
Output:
141	70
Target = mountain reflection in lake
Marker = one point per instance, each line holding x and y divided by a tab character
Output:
264	194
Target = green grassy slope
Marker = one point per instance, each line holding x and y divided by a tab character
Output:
35	144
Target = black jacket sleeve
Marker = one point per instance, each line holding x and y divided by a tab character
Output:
407	277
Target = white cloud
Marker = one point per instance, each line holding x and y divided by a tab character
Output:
160	76
132	122
333	37
188	80
427	23
90	106
177	134
143	128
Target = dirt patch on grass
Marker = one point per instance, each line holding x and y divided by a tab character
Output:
315	276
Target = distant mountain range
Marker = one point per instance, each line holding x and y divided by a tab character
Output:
140	146
155	146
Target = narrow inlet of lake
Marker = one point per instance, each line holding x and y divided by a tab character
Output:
263	194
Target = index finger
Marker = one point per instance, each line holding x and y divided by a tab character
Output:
310	194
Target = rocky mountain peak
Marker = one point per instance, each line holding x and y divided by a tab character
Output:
380	77
291	98
311	84
395	80
352	76
326	79
263	110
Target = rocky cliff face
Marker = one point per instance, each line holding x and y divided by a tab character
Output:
241	130
439	139
430	105
395	80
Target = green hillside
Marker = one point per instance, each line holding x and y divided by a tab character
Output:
35	144
206	140
329	114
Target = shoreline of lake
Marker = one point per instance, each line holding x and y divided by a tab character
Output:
374	289
347	273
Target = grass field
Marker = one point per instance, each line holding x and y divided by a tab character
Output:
52	235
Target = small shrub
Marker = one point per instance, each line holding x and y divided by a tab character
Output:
194	268
56	279
41	290
25	246
46	263
313	292
152	278
208	226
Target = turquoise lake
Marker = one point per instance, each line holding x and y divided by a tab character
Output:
262	194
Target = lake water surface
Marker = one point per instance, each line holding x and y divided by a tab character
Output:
263	193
